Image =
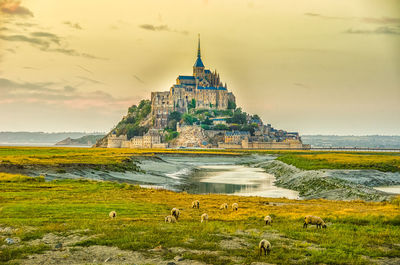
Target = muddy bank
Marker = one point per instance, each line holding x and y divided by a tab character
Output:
42	169
315	184
370	178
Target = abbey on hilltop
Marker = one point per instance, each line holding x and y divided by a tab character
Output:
197	111
202	90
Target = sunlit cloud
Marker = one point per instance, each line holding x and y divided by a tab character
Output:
379	30
151	27
12	92
372	20
72	25
13	7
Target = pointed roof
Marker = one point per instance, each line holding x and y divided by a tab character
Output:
199	62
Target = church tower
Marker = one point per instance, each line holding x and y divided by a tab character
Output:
198	67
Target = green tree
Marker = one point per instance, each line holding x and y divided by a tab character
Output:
192	104
189	119
207	121
239	117
175	116
221	127
171	135
231	104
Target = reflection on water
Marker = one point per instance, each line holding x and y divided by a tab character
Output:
389	189
237	180
194	174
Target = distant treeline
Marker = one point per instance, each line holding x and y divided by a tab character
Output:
40	137
368	141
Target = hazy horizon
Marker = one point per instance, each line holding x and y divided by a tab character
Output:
316	67
105	132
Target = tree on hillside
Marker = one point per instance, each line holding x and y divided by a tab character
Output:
231	104
192	104
239	117
175	115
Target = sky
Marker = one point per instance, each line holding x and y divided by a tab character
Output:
312	66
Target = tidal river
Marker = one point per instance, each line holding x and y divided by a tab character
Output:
214	174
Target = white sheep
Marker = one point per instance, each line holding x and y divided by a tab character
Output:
235	206
223	206
196	204
112	214
314	220
204	217
264	246
175	212
268	220
170	219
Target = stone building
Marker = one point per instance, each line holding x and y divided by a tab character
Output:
236	137
152	139
201	90
115	141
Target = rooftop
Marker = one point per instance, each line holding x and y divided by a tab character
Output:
211	87
189	77
232	133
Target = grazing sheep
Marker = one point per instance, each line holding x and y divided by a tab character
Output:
314	220
268	220
196	204
223	206
204	217
170	219
264	246
175	212
235	206
112	214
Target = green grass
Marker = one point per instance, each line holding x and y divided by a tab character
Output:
386	162
355	229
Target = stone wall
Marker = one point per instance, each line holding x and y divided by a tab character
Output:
115	141
264	145
190	136
161	106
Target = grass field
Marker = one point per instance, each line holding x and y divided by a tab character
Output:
308	160
343	160
358	232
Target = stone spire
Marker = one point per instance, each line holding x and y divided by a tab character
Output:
198	67
198	49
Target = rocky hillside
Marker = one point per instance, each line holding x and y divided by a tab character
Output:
87	140
135	123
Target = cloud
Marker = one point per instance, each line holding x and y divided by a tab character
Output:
45	42
72	25
72	52
373	20
12	92
69	89
52	37
382	20
138	79
90	80
151	27
316	15
379	30
25	24
6	84
312	14
154	28
29	68
13	7
85	69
